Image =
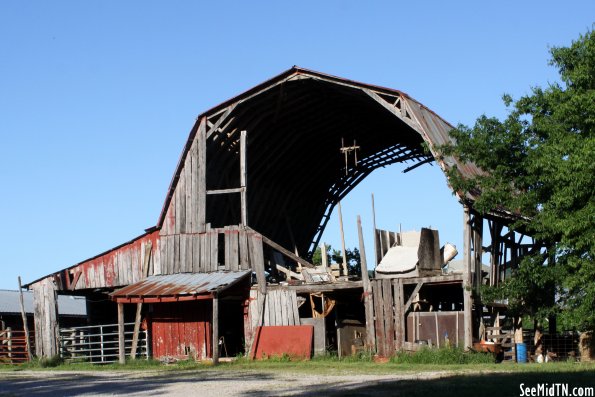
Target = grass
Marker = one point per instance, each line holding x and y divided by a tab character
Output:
445	359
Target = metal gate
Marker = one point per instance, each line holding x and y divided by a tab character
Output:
98	344
13	346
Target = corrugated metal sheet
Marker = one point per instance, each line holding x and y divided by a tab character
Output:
67	305
180	284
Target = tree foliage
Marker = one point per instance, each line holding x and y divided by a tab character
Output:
336	256
540	162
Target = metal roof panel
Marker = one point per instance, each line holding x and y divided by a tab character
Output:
180	284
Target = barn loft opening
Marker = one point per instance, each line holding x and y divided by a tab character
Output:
310	139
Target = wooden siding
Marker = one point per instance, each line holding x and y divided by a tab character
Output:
388	315
280	308
118	267
182	329
186	210
201	253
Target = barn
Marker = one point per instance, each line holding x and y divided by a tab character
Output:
230	257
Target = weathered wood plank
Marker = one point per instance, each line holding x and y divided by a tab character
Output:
196	255
214	250
162	255
201	167
244	254
243	179
468	283
389	325
257	260
368	305
234	256
121	348
379	317
225	191
182	242
176	249
157	258
215	326
227	238
188	190
194	186
294	308
399	315
204	266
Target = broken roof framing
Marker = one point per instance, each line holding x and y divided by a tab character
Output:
262	172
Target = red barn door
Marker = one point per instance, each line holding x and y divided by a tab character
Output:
181	329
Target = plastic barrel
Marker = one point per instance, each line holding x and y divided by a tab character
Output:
521	352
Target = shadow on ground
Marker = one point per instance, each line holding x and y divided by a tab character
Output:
58	384
484	385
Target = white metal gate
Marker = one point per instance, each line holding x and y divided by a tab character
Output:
98	344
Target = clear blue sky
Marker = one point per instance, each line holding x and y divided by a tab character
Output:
97	99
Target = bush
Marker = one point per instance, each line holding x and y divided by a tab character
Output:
50	362
446	355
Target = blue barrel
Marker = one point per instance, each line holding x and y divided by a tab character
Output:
521	352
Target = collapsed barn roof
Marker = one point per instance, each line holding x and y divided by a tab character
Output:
295	127
296	124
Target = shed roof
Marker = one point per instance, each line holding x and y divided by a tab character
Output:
182	286
67	305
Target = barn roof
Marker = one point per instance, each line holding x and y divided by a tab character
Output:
296	124
180	286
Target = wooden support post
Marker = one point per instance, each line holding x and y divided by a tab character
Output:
46	318
437	333
121	340
478	249
215	327
345	273
137	318
324	256
412	297
376	260
243	178
25	325
201	170
368	304
467	281
399	315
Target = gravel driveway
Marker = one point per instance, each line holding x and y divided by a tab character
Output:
199	383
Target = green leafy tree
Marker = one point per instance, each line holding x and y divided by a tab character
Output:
336	256
540	162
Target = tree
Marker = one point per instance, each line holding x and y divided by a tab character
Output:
336	256
540	162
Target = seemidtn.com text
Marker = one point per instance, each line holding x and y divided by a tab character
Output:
555	390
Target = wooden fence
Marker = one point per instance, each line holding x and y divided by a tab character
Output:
13	346
388	316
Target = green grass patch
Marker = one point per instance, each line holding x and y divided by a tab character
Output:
443	356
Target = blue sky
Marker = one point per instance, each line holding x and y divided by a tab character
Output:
97	99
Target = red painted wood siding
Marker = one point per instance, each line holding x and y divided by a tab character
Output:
182	329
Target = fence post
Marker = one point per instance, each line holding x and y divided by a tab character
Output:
101	343
9	343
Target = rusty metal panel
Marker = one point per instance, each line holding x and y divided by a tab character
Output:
180	284
426	326
275	341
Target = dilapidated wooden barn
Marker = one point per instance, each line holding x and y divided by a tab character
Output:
252	193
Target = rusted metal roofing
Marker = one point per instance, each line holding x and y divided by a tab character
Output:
183	284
